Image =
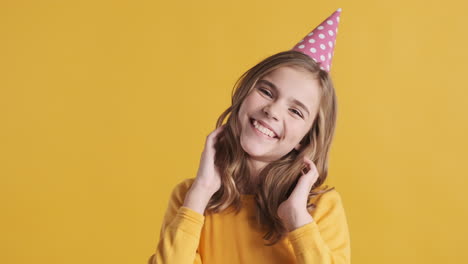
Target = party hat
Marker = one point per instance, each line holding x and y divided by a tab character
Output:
319	44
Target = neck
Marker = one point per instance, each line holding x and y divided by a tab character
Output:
255	166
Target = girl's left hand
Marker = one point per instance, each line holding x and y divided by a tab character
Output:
293	211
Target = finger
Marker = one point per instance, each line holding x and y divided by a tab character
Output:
311	167
301	191
211	137
312	174
217	131
307	180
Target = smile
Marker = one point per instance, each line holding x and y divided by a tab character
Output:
259	132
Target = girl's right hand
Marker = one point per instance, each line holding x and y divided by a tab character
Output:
208	177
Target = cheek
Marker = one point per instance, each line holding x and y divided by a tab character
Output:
298	131
251	102
256	101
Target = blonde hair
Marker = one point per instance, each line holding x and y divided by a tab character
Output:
279	177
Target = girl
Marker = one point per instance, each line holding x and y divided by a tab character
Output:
258	195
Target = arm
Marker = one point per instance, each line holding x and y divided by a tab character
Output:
326	238
183	221
181	227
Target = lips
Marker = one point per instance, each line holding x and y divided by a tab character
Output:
265	125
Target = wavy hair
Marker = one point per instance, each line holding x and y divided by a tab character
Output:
278	178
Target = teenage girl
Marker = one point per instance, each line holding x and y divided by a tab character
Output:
258	195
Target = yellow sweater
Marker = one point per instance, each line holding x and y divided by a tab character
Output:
188	237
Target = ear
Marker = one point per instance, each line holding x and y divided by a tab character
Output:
298	147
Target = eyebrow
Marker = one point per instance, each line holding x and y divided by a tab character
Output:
294	100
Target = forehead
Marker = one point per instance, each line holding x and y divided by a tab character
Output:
295	83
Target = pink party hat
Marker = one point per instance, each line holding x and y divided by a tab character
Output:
319	44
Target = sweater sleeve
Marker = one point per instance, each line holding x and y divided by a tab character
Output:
180	231
326	239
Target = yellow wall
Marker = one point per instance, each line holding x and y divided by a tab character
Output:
105	106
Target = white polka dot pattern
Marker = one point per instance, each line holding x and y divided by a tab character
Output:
321	47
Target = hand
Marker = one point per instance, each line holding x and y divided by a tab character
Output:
293	211
208	178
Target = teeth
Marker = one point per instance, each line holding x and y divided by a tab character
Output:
263	129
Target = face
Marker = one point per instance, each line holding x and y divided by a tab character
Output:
283	104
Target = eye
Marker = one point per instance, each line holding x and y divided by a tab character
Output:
265	91
298	113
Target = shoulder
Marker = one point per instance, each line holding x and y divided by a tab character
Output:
332	196
184	185
180	190
176	200
327	202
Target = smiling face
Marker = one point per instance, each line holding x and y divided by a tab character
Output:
285	101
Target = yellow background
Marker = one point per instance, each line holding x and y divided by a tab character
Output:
105	106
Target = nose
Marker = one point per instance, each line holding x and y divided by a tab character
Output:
271	110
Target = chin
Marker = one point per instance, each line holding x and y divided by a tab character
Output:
252	148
